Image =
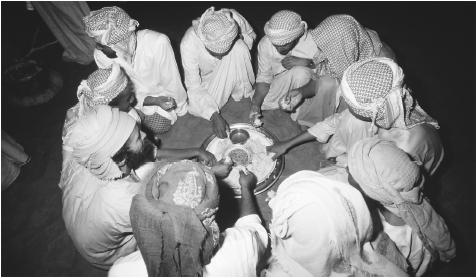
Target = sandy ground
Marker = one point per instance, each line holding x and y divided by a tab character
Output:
434	42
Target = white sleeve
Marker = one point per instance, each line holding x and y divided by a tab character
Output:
265	72
166	70
201	103
242	248
323	130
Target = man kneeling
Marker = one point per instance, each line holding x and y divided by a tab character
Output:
101	178
177	234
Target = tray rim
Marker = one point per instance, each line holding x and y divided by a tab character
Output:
278	170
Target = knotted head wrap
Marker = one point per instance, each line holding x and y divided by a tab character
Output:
284	27
319	226
373	88
216	29
112	24
97	137
102	86
386	174
343	41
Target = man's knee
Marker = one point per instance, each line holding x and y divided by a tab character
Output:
300	75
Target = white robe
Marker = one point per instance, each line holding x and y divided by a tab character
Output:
281	80
154	72
242	248
210	82
96	212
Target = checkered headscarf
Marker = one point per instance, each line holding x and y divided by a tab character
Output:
344	41
216	29
113	24
102	86
373	88
284	27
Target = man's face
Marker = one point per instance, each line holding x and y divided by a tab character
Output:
286	48
220	56
126	99
135	152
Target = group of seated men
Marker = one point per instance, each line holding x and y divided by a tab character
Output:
133	208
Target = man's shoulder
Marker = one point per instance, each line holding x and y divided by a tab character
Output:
264	43
189	35
153	36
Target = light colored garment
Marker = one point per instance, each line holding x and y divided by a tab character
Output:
13	157
281	80
210	82
65	21
96	212
243	245
410	245
321	227
153	71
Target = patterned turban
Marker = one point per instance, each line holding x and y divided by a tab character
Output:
112	24
319	224
344	41
98	136
386	174
217	29
102	86
373	88
284	27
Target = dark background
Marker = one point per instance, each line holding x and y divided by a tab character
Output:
435	46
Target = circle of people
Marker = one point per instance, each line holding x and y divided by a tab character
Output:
135	209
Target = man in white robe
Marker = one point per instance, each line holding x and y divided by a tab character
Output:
216	59
285	62
380	105
148	59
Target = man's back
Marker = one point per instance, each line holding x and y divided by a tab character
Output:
96	214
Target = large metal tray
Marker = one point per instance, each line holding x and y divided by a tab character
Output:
278	168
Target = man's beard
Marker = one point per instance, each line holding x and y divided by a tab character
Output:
146	154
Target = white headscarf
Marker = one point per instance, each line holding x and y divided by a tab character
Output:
98	136
216	29
284	27
320	227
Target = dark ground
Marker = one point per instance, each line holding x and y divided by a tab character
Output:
435	45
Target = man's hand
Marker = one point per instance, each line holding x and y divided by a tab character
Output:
220	126
292	61
255	115
222	169
206	157
166	103
278	149
247	181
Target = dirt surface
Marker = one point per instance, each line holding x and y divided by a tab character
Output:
434	43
